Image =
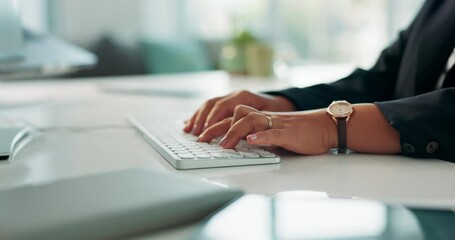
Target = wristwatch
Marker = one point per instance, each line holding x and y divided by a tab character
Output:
340	112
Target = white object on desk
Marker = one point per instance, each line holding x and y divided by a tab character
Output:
107	206
184	152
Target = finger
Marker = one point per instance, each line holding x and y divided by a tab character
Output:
268	137
220	110
241	111
189	123
225	108
216	130
253	122
202	115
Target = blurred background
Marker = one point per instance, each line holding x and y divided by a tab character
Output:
254	37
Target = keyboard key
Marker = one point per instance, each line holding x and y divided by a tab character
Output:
180	152
192	147
250	154
212	150
218	155
198	152
267	155
186	156
171	145
177	148
229	151
235	155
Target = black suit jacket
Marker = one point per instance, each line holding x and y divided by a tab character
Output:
402	84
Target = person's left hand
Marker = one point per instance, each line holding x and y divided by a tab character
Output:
310	132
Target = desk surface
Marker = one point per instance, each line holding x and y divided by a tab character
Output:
63	150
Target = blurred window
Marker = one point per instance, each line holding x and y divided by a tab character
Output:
352	31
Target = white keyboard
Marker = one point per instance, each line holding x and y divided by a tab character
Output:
183	152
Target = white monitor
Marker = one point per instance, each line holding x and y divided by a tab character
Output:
25	54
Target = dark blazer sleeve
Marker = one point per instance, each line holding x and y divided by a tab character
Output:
376	84
425	123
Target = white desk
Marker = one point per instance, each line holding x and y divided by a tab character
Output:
57	154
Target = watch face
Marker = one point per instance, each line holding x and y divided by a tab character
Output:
340	109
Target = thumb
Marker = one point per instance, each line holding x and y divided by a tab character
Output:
269	137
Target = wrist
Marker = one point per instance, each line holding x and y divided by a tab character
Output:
282	104
328	129
340	111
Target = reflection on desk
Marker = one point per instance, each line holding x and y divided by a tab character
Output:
308	215
436	224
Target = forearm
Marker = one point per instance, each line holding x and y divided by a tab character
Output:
368	131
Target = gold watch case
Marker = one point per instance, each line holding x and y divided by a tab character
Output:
340	109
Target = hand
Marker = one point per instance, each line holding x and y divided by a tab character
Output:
217	109
311	132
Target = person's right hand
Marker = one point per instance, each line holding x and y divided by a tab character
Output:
219	108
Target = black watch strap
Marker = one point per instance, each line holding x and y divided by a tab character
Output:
341	129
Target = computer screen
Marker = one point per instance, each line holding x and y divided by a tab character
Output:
26	54
11	40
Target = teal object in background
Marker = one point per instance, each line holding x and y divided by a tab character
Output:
173	56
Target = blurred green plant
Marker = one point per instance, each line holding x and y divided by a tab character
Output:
243	38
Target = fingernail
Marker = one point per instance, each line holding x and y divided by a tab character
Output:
199	138
252	137
223	141
186	126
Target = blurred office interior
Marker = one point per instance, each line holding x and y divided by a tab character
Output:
169	36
